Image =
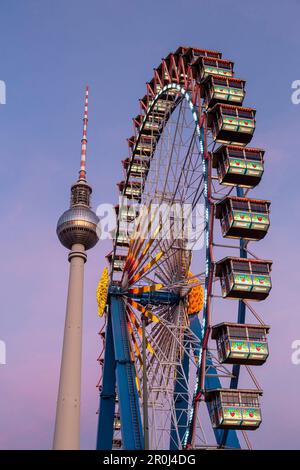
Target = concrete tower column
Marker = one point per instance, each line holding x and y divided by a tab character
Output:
67	423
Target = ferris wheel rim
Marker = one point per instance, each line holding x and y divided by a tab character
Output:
184	94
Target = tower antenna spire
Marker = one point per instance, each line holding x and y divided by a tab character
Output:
82	172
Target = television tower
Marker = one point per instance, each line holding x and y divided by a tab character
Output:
77	231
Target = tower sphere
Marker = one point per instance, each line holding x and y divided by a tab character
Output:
78	225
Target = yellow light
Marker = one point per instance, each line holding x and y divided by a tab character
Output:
195	297
102	292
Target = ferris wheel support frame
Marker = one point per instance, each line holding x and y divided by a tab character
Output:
119	360
108	393
223	437
180	400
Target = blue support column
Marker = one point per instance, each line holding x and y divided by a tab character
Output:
181	400
236	367
225	438
107	395
241	315
242	307
131	423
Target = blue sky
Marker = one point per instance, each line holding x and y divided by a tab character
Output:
49	51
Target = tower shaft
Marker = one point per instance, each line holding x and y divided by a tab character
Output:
67	423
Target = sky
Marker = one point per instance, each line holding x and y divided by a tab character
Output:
49	51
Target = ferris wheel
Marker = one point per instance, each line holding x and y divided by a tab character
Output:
181	333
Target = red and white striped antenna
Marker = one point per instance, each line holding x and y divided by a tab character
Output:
82	173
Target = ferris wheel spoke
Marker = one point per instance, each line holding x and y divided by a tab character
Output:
158	262
172	147
162	336
169	251
145	289
159	276
142	310
140	238
155	243
174	352
168	330
137	352
132	319
148	266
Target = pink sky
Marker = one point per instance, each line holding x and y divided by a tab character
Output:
49	55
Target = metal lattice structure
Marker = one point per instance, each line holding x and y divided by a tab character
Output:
161	370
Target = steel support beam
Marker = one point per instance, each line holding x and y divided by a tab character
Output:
131	423
225	438
107	395
181	400
242	307
155	298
